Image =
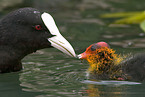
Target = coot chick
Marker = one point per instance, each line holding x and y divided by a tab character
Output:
25	31
105	64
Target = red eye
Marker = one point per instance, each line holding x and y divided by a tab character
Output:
38	27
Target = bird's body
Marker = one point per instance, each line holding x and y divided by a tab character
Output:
135	67
106	65
25	31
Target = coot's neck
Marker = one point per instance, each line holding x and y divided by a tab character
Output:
16	53
10	58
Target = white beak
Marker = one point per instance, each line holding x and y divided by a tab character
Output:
57	41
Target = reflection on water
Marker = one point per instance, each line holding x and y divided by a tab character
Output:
97	91
59	76
112	83
66	77
108	88
10	86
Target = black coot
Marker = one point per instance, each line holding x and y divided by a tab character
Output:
23	32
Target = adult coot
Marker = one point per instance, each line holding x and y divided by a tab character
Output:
105	64
23	32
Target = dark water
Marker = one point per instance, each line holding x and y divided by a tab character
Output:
49	73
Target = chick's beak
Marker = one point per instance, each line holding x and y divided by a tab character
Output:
83	55
57	41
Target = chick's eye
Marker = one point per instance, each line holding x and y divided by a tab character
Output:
94	47
38	27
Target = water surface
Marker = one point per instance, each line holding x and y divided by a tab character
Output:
49	73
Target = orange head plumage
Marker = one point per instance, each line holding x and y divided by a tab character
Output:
101	58
92	49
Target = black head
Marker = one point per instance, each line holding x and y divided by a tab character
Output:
26	29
